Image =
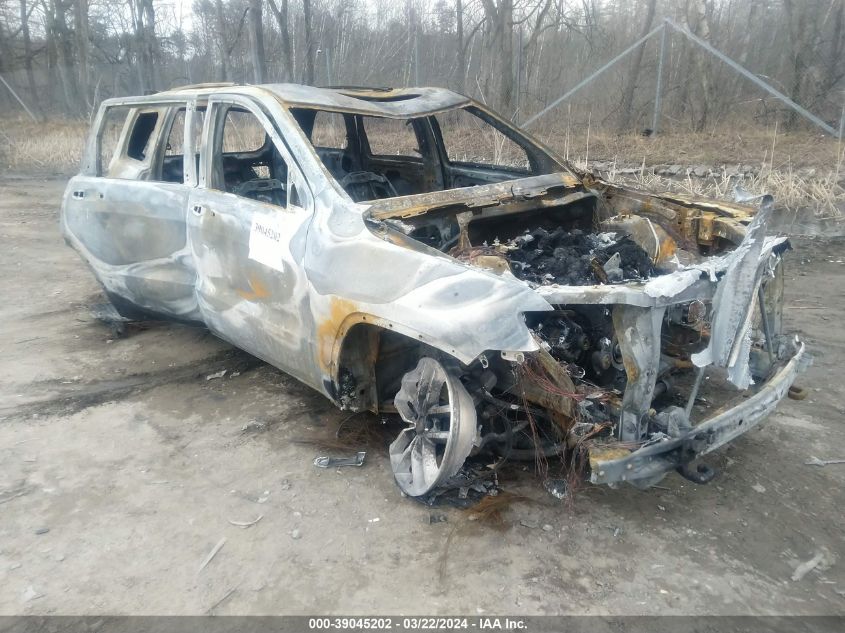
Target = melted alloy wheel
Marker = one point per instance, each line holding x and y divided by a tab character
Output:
441	428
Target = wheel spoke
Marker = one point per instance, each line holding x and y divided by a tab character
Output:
420	460
409	448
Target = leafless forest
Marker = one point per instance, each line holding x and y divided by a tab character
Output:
62	57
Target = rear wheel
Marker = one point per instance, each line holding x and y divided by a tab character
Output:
441	428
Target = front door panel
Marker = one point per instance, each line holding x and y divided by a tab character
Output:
250	286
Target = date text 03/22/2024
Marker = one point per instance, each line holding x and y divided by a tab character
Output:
417	624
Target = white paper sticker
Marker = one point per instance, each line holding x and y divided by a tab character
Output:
265	242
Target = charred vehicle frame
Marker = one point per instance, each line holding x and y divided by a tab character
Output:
420	255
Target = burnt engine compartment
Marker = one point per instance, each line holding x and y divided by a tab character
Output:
569	397
563	244
541	243
521	409
576	258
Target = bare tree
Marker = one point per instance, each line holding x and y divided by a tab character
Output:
27	54
80	27
461	68
60	40
281	12
627	107
699	19
144	42
309	42
221	40
499	15
745	44
836	55
256	41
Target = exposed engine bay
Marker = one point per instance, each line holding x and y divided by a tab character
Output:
609	375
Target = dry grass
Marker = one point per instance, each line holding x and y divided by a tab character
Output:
824	193
802	170
491	510
52	146
736	144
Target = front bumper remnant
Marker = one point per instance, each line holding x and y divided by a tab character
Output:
646	465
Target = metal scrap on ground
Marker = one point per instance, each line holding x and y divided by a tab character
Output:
246	524
815	461
336	462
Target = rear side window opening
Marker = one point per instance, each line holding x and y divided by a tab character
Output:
144	143
375	157
142	132
328	130
126	141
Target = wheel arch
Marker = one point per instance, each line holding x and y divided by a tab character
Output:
369	358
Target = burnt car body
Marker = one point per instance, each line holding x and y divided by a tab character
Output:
408	251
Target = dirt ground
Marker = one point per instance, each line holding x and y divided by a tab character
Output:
122	467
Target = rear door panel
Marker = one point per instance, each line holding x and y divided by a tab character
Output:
133	235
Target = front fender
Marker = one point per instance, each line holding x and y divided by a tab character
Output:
420	293
462	315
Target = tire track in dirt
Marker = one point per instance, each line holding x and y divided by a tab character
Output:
67	399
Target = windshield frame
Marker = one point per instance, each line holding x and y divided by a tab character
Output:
437	172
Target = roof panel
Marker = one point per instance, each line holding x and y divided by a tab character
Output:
387	102
400	102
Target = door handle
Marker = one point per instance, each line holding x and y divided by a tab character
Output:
198	209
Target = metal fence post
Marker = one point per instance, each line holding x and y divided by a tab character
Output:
416	56
19	100
842	121
328	67
657	93
517	114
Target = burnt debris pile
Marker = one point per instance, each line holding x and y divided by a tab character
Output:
576	258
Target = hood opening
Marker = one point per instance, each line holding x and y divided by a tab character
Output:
567	236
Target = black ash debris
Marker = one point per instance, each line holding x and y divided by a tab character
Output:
576	258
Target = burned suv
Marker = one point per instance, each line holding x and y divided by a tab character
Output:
408	251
